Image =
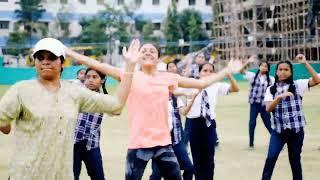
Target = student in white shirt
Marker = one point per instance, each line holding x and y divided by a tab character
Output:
258	83
202	123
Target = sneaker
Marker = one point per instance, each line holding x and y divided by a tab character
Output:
251	148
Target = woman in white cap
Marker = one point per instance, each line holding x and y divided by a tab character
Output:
45	111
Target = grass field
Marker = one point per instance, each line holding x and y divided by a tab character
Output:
233	159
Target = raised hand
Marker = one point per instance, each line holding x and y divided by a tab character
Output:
252	59
132	54
234	66
286	94
301	58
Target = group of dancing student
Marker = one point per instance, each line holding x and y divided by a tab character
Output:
48	110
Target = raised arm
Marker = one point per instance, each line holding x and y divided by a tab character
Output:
105	103
315	79
252	59
234	85
233	66
102	67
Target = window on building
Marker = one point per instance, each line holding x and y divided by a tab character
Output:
208	2
209	26
192	2
82	1
156	26
138	2
155	2
63	1
4	24
120	2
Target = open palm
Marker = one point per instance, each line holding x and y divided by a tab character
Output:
132	54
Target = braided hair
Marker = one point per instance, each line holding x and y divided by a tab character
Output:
257	73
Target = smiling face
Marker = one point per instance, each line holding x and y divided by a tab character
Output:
48	65
149	56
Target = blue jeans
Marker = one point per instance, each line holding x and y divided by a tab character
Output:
91	158
202	143
184	161
294	142
255	109
163	156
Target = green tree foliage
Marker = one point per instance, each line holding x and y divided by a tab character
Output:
172	29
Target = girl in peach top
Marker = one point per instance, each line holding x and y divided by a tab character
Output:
148	109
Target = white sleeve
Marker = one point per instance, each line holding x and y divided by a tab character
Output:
223	88
268	96
180	103
272	80
302	85
249	75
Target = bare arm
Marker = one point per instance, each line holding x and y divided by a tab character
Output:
233	66
234	85
102	67
190	99
247	63
315	79
271	105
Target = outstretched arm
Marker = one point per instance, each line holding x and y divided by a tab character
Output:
233	66
252	59
102	67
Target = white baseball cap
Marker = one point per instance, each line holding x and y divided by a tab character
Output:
50	44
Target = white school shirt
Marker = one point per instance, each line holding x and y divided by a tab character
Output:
180	104
214	90
250	76
302	85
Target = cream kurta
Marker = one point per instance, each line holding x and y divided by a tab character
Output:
45	123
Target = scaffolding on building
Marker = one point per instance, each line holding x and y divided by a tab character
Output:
273	30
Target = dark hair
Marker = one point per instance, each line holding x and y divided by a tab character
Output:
102	76
172	62
201	66
289	81
35	56
80	70
257	73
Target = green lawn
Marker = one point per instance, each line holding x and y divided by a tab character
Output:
233	159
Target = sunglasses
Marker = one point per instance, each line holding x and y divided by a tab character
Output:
50	57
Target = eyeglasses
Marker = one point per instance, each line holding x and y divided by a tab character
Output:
50	57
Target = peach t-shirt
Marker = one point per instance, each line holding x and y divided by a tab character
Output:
148	109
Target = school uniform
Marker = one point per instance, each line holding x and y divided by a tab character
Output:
257	90
287	124
203	135
179	148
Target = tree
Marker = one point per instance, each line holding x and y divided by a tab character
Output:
15	41
29	13
147	32
172	30
191	25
